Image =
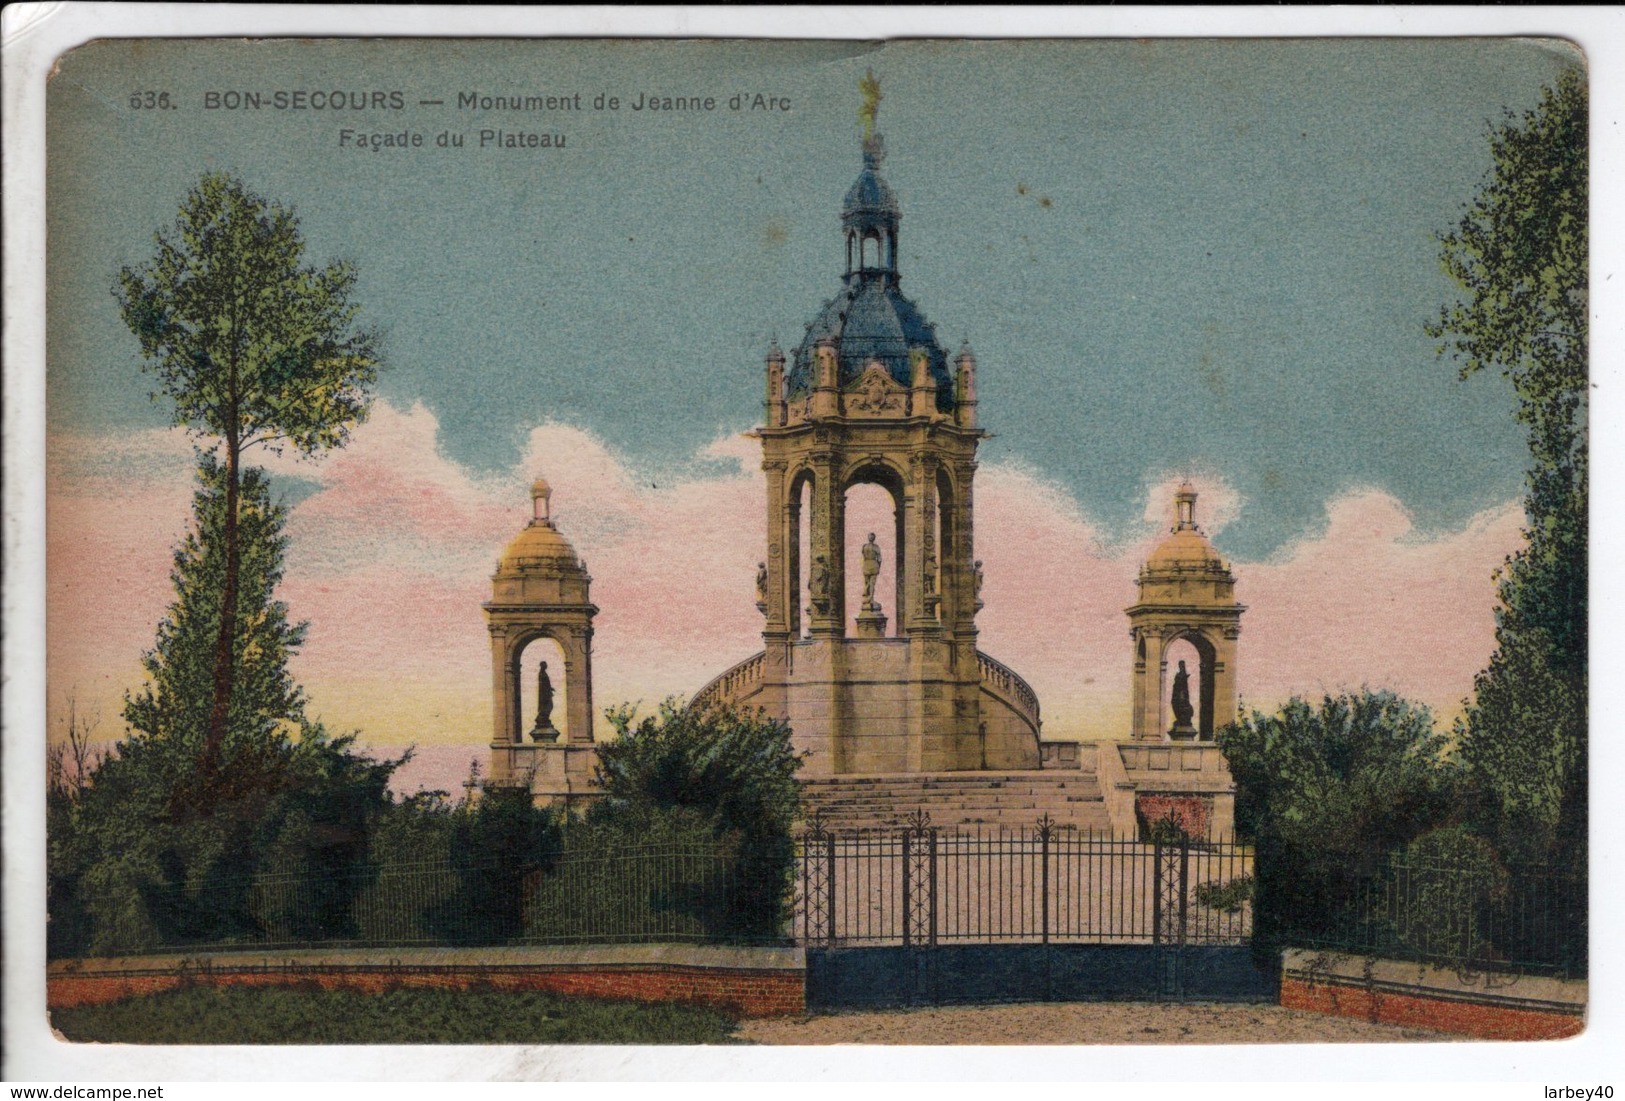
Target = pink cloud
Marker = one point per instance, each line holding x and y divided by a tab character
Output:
391	555
1372	602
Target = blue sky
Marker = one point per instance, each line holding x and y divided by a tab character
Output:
1170	257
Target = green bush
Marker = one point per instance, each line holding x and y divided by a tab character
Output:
1449	885
729	771
1227	898
672	878
1327	794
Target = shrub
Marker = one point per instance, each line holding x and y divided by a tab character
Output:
1327	794
734	772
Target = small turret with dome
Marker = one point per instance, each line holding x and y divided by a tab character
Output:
539	562
1187	593
541	591
1186	556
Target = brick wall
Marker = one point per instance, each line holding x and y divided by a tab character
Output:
772	990
1487	1006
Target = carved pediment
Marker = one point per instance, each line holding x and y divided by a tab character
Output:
876	394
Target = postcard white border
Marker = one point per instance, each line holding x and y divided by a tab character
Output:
35	34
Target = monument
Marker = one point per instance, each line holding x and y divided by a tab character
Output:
870	397
1187	593
541	590
895	709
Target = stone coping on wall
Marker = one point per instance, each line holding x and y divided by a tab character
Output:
713	956
746	981
1529	991
1491	1005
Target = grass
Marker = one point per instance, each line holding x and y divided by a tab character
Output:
310	1015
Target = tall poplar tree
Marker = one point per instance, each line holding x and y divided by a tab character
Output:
253	347
1519	255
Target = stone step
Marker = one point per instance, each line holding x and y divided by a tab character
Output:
1028	810
1056	794
1010	801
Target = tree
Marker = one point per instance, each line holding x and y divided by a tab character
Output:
253	349
1519	256
174	706
731	771
737	768
131	864
1327	794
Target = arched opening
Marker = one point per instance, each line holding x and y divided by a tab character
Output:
871	251
873	507
1197	653
800	552
529	661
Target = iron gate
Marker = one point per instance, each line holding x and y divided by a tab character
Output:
1051	900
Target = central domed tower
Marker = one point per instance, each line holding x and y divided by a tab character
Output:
870	399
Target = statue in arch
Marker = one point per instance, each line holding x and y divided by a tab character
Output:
818	585
871	572
1181	701
543	731
761	587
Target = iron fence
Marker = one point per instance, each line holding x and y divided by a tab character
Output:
923	886
636	893
1527	918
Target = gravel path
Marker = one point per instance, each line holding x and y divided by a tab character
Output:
1080	1023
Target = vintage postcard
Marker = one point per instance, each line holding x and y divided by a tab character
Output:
800	542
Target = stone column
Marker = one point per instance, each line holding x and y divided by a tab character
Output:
921	517
1148	677
578	685
828	541
1224	675
780	601
501	722
962	532
516	718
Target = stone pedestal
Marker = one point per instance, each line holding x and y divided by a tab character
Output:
871	623
557	772
1182	732
547	734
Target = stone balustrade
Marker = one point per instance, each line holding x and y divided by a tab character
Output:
1005	683
733	685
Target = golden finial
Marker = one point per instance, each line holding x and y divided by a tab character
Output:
870	87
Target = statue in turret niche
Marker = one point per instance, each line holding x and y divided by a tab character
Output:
1181	701
761	587
543	731
871	572
976	572
818	585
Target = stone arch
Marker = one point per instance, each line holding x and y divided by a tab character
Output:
883	474
542	650
1207	657
801	489
572	682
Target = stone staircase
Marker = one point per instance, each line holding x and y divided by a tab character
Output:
959	800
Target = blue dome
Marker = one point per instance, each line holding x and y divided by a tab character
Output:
870	199
871	319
